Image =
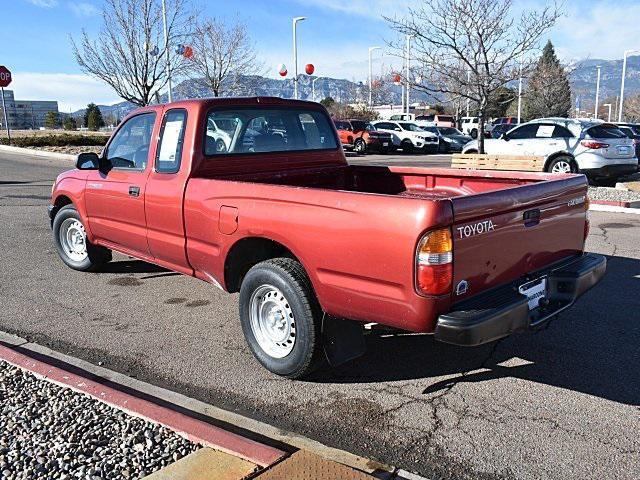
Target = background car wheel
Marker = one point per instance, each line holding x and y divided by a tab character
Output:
407	146
221	147
281	318
474	133
562	164
360	146
71	242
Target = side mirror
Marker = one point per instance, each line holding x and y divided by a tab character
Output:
504	137
88	161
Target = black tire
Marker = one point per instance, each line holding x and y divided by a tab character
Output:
474	133
606	182
221	147
562	160
289	277
96	255
407	146
360	146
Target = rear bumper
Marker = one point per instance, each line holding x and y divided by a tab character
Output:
610	171
376	144
500	312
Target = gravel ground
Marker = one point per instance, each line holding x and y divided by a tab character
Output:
615	194
51	432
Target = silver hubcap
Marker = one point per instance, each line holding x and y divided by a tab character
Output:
73	239
272	321
561	167
359	147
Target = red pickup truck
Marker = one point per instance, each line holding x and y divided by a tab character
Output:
315	246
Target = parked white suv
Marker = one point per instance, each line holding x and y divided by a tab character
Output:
469	126
597	149
409	136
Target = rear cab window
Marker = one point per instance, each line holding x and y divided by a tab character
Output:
267	129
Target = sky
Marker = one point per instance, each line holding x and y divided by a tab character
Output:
35	38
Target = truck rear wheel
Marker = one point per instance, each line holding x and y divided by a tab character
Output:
71	242
281	318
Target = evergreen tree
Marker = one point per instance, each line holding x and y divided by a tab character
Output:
93	117
51	120
69	123
548	93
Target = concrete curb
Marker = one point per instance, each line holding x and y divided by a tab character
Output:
217	415
194	430
32	152
597	207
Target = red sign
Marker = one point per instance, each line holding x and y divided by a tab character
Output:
5	76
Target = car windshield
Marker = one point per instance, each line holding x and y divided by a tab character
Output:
445	118
605	131
411	127
450	131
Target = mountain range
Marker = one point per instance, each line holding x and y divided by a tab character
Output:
583	75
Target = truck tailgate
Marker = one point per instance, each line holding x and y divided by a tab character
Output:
500	236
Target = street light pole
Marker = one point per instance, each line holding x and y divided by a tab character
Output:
166	48
597	92
295	55
371	49
624	73
407	73
609	115
468	89
313	88
520	93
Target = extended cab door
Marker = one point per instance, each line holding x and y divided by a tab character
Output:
165	191
114	195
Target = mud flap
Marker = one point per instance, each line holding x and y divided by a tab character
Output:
342	340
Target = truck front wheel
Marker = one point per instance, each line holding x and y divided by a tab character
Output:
71	242
281	318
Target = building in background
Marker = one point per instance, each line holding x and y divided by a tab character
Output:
26	114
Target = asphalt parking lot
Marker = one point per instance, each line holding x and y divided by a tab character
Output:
562	402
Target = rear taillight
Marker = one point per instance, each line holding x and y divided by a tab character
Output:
592	144
434	263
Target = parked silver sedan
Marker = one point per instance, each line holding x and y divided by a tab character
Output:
598	149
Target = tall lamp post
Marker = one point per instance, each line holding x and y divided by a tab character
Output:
520	93
295	55
624	73
166	48
407	73
597	92
609	114
371	49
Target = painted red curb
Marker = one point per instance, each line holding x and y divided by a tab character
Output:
195	430
614	203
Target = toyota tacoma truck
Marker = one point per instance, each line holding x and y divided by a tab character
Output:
317	247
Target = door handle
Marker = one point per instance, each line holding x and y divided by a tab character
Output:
134	191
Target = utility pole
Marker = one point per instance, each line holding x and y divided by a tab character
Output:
371	49
313	88
295	55
609	115
597	92
166	48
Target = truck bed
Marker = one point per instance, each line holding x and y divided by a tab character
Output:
417	182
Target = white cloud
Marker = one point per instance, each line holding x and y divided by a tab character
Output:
603	30
72	91
82	9
366	8
44	3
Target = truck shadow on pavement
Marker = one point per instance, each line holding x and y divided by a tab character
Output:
592	348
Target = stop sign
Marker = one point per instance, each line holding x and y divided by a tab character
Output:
5	76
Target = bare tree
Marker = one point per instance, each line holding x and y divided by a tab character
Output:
129	53
470	48
224	55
